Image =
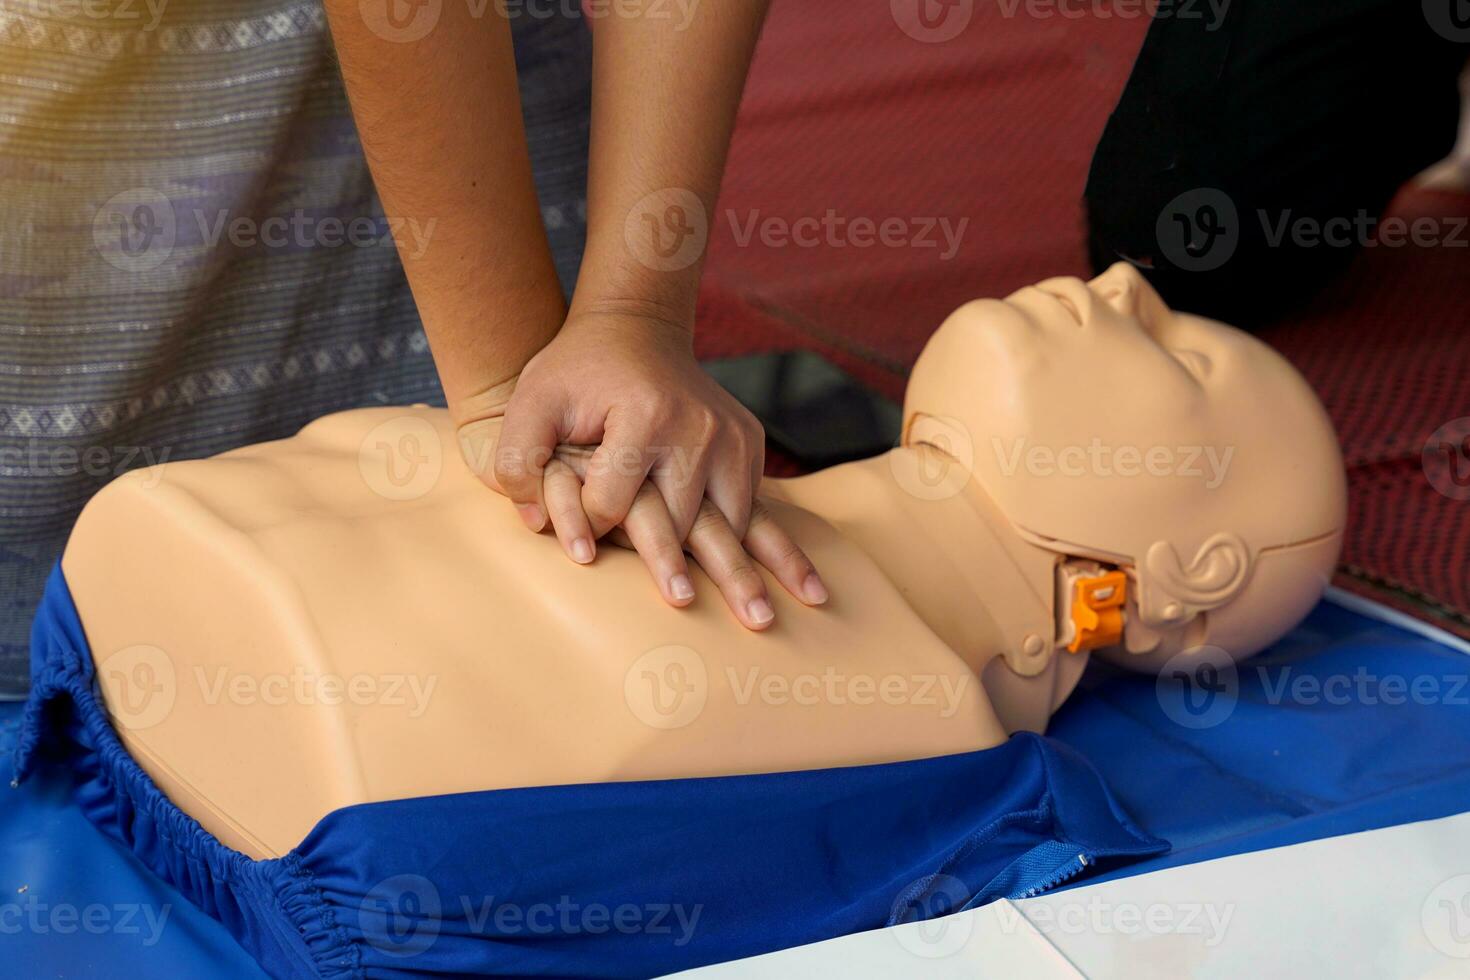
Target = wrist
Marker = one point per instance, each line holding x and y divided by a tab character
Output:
482	342
477	422
660	317
486	403
619	285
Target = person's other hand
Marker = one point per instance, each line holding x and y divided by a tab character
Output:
726	558
630	386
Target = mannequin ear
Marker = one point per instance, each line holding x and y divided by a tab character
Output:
1171	594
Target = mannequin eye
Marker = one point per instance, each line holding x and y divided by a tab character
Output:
1194	362
1071	308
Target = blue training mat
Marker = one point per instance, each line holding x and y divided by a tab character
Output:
1348	724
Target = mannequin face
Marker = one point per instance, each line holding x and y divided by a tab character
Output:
1063	333
1107	426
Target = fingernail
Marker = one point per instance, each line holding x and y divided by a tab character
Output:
531	515
581	551
681	588
814	589
760	611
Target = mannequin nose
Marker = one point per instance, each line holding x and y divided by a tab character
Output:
1120	287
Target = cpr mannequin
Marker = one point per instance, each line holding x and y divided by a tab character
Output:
350	616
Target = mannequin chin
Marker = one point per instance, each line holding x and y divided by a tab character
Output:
349	616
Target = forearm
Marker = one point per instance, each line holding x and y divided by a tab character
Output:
665	91
440	122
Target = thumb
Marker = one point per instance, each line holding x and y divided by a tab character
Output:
478	420
528	437
477	442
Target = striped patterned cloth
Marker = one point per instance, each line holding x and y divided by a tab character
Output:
192	257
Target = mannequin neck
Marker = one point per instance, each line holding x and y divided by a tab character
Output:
952	553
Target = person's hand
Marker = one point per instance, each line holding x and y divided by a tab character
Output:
729	561
665	435
648	528
630	386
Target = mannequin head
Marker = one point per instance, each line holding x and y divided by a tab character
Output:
1108	428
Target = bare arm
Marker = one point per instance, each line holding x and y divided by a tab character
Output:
440	122
665	91
666	84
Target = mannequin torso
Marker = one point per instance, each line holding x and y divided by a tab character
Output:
284	640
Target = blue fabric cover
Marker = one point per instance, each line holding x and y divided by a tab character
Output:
1347	724
604	880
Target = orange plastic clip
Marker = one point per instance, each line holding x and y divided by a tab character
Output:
1097	611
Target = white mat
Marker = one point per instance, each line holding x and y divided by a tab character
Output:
1384	903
